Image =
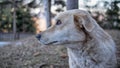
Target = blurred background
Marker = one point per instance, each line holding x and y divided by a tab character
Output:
21	20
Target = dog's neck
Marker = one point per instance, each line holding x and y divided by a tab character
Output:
78	57
81	55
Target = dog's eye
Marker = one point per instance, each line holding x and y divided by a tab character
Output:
58	22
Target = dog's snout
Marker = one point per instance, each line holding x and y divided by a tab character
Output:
38	36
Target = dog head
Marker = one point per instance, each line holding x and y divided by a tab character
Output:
70	27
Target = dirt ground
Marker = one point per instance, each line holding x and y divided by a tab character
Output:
28	53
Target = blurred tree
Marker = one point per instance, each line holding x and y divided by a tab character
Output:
18	15
5	16
60	4
47	7
113	14
14	18
72	4
24	22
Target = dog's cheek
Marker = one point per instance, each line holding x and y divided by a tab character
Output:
75	34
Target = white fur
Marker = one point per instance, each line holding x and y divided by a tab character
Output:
97	52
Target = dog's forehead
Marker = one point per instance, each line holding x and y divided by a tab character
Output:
63	15
70	13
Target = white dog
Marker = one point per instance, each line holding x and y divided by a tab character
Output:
88	45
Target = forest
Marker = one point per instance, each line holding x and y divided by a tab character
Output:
17	16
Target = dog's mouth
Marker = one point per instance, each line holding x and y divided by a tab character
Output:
53	42
61	42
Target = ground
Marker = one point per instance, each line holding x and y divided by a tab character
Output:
28	53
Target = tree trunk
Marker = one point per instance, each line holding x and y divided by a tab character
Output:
47	6
72	4
14	20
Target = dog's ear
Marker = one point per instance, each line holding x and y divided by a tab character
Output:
85	21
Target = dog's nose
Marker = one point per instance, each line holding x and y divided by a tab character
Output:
38	36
